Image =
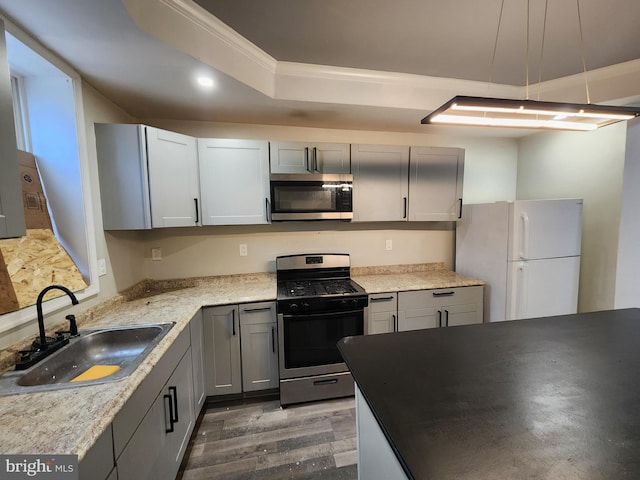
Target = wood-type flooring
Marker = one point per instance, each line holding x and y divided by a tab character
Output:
257	439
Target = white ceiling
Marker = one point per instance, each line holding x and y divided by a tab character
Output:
360	64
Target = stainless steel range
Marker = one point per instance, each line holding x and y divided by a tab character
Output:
317	304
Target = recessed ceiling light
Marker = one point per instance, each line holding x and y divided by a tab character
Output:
205	82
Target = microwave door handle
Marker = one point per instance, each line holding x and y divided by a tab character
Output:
315	159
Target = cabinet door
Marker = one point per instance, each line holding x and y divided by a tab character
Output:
435	183
383	311
234	181
11	210
460	305
179	415
173	178
416	310
197	358
144	455
380	182
290	157
222	350
300	157
259	340
331	158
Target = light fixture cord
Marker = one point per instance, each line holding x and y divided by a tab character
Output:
584	62
527	54
544	31
495	45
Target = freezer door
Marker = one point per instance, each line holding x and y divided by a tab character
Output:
542	288
545	229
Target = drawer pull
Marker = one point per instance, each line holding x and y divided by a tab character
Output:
253	310
170	398
381	299
443	294
329	381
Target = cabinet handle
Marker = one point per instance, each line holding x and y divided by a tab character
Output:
253	310
170	398
439	319
306	158
233	322
443	294
195	200
395	324
381	299
268	210
460	209
273	339
174	392
446	318
404	215
315	159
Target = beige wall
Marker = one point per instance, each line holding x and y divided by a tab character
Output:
589	166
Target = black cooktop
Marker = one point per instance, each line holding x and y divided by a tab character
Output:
318	288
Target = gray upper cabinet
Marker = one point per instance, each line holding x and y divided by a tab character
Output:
148	177
435	183
301	157
234	181
380	182
11	210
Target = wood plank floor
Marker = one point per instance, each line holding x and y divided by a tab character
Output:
256	439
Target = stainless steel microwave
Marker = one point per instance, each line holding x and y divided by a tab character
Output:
311	196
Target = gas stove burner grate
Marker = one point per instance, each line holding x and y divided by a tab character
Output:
318	288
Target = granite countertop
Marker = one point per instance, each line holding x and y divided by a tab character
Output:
399	278
541	398
71	420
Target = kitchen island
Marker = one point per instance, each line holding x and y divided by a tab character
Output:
548	398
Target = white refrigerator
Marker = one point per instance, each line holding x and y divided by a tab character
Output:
528	252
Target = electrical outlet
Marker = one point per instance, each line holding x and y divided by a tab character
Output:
243	250
156	254
389	245
102	267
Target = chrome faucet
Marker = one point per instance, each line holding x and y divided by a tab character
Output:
41	343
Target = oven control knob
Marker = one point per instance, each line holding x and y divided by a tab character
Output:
305	306
294	307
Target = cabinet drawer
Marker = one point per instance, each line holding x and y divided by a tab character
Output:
439	297
257	313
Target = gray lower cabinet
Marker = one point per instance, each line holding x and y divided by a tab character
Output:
222	350
439	308
151	432
383	313
98	463
197	357
158	444
241	348
259	342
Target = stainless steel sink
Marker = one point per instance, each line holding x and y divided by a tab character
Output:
124	347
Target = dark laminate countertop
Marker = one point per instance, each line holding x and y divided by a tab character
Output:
550	398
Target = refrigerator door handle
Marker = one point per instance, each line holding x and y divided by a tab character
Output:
521	292
524	243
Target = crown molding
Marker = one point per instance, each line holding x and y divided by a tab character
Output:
191	29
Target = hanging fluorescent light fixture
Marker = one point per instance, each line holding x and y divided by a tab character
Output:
500	112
